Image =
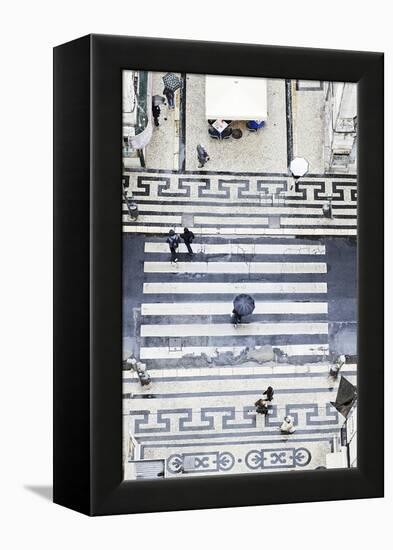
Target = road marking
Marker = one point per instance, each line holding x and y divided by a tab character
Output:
242	248
228	329
317	221
224	308
234	288
155	219
293	231
234	267
211	351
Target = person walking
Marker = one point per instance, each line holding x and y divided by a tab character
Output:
188	236
156	114
261	407
269	392
170	96
287	426
202	154
236	317
158	100
173	241
336	367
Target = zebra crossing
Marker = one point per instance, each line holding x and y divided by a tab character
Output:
191	300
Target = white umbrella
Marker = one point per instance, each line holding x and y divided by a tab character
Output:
298	167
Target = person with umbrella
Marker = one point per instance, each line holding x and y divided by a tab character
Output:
287	426
171	83
269	392
243	305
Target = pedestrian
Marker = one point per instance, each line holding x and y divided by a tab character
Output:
158	100
173	240
336	367
202	154
269	392
287	426
236	317
156	114
170	96
188	236
261	407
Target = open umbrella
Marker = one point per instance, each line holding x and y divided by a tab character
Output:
298	167
346	397
171	81
244	304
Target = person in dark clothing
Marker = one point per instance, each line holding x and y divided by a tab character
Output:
261	407
188	236
202	154
170	96
269	393
236	317
156	114
173	240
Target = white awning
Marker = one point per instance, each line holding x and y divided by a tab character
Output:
236	98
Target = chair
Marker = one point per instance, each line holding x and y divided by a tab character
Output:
226	134
213	133
254	128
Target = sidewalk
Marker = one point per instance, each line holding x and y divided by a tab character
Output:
263	151
308	112
163	148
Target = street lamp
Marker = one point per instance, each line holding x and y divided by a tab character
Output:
298	168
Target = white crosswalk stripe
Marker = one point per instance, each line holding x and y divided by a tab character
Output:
236	230
227	329
234	288
234	267
241	248
222	308
152	352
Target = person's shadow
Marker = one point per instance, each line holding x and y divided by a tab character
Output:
44	491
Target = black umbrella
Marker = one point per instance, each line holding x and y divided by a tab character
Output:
244	304
346	396
171	81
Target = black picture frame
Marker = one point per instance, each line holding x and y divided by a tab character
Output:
88	275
